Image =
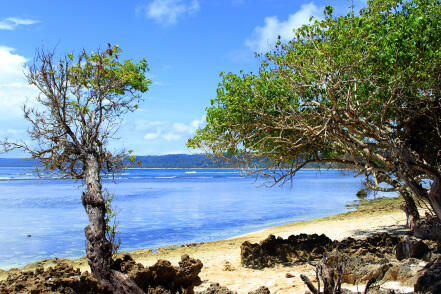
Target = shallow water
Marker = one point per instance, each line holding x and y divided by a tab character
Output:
158	207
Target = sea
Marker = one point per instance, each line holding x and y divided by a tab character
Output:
42	217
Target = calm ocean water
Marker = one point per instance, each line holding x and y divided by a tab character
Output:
158	207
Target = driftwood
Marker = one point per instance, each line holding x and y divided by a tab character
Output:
330	276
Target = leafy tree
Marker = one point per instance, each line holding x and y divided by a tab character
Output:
359	90
81	103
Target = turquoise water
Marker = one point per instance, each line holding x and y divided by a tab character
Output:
158	207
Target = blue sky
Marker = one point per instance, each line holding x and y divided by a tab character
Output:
186	42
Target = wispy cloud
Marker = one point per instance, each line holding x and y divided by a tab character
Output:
264	37
11	23
168	12
163	130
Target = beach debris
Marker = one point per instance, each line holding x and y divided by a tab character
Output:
289	275
228	267
331	277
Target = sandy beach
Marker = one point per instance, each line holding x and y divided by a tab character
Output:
221	259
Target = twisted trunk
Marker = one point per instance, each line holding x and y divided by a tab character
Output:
99	249
410	209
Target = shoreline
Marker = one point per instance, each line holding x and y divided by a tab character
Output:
221	258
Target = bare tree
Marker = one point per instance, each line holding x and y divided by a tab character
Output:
81	103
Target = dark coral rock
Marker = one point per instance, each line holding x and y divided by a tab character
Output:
62	278
272	250
428	228
217	289
411	248
260	290
301	248
163	276
429	279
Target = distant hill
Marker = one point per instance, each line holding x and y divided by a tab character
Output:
17	162
157	161
177	161
150	161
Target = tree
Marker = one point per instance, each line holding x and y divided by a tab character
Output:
81	103
362	91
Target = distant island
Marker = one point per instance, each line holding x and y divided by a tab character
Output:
158	161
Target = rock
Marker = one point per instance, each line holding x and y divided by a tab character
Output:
429	279
405	272
272	251
62	278
217	289
289	275
228	267
301	248
260	290
161	278
428	228
378	273
410	248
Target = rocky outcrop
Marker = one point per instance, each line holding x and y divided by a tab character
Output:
429	279
260	290
272	251
160	278
217	289
163	277
428	228
301	248
62	278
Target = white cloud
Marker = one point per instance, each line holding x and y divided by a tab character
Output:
169	11
167	131
14	89
264	38
11	23
152	136
171	137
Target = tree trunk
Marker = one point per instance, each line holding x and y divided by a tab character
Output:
410	208
434	195
99	249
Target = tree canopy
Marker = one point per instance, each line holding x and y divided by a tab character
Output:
81	103
361	90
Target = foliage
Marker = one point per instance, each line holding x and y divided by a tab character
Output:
111	223
359	90
81	104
